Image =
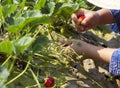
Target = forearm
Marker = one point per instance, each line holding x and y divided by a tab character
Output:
105	16
109	55
98	53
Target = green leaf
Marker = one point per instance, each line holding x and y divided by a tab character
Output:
66	10
1	13
13	28
34	21
82	3
41	20
2	85
18	24
17	1
51	6
6	47
5	2
40	4
22	44
9	9
22	4
40	44
30	17
19	20
4	73
32	13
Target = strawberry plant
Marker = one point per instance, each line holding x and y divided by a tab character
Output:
29	41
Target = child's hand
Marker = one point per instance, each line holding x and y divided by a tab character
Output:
91	20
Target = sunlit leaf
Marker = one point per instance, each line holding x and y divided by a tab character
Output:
6	47
4	73
1	12
17	1
19	20
9	9
66	10
22	44
5	2
33	17
33	13
40	4
51	5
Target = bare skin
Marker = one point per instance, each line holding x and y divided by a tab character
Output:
91	51
92	19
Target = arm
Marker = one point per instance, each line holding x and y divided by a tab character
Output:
109	55
105	16
91	51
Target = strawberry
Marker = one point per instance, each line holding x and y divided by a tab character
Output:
49	82
80	19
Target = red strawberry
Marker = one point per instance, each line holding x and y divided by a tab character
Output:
80	19
49	82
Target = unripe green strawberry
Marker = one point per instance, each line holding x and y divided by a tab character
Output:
49	82
80	19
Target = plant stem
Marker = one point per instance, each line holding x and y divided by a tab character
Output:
37	32
28	63
50	32
35	78
6	60
33	86
12	65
